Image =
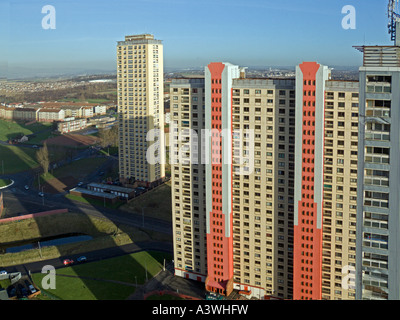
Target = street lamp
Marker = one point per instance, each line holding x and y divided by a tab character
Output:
143	215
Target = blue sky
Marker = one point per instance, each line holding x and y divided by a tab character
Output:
194	32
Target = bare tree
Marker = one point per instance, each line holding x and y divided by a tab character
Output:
109	137
104	138
42	156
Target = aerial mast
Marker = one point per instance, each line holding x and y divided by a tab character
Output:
394	20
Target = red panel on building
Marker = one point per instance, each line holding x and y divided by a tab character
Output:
219	244
307	237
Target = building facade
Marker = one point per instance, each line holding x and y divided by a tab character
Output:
71	125
233	219
309	166
378	214
140	109
50	115
188	178
280	224
340	190
262	199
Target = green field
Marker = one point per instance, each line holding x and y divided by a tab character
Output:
4	182
41	137
104	233
156	203
78	169
10	129
94	280
93	100
16	159
94	202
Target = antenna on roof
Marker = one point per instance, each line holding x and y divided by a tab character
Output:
394	19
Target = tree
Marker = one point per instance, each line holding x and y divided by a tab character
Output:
42	156
104	138
109	137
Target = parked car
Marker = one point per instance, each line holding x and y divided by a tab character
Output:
12	292
67	262
26	187
30	287
41	194
22	290
35	146
81	259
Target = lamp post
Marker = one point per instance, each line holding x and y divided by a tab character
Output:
143	215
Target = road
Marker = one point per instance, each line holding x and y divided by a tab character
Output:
35	267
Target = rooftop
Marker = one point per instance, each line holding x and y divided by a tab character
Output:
110	187
94	193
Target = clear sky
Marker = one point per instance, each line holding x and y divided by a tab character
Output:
194	32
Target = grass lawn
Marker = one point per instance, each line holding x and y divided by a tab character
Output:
5	283
42	136
94	202
127	269
4	182
157	203
78	169
97	101
93	100
10	129
112	150
16	159
105	234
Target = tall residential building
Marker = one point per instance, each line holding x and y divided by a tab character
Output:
219	224
309	167
188	178
141	109
233	224
340	190
263	198
378	205
326	184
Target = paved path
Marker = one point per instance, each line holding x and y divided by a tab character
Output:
165	280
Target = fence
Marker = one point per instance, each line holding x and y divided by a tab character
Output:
34	215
